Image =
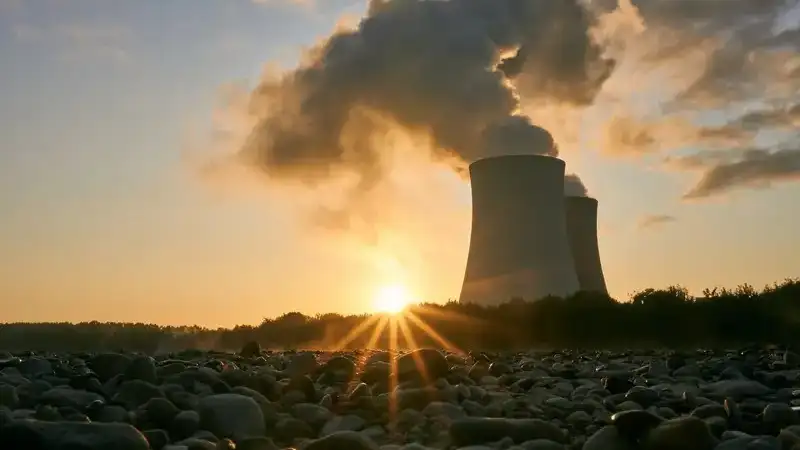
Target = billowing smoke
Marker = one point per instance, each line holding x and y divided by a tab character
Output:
446	70
574	187
469	79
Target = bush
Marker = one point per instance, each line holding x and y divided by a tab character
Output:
652	318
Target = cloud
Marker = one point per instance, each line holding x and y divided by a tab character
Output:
654	220
102	41
755	168
467	79
698	160
680	62
301	3
447	76
574	187
436	69
637	136
787	116
80	42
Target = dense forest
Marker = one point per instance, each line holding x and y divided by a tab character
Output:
651	318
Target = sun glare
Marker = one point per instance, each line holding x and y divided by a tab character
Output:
391	299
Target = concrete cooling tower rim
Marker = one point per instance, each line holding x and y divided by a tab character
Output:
581	198
522	159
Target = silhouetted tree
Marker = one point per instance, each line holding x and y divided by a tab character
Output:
668	317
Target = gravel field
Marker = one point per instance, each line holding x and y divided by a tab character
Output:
259	400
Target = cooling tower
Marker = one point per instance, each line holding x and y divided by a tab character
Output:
581	216
518	245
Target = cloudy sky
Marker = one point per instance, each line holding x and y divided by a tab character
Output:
118	121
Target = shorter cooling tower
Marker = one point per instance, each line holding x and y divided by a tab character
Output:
581	215
518	244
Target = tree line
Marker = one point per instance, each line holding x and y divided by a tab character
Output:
668	317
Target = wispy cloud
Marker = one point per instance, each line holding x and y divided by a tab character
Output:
303	3
755	169
80	41
104	41
655	220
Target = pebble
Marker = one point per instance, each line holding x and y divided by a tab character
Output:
259	400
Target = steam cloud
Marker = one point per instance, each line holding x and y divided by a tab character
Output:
574	187
471	77
443	69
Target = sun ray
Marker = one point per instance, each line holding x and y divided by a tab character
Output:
354	333
392	369
377	332
401	321
439	313
372	343
432	333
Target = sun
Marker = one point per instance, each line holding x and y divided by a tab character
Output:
391	299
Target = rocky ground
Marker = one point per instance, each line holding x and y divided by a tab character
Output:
255	400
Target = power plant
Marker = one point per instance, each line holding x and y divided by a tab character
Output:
528	240
581	215
518	244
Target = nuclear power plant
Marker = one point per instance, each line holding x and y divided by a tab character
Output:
581	215
528	240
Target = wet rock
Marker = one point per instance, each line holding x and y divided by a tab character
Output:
609	438
350	422
302	364
340	368
738	389
160	411
634	425
64	396
751	443
36	435
684	433
422	363
617	384
142	368
251	349
231	415
302	385
157	439
256	443
474	431
108	365
288	429
343	440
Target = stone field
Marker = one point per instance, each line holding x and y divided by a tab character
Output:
260	400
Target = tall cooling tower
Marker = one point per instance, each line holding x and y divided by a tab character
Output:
581	215
519	245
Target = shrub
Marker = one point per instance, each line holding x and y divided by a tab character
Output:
653	317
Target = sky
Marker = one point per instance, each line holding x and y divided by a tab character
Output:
107	106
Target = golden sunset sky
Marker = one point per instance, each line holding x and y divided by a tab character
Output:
109	109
